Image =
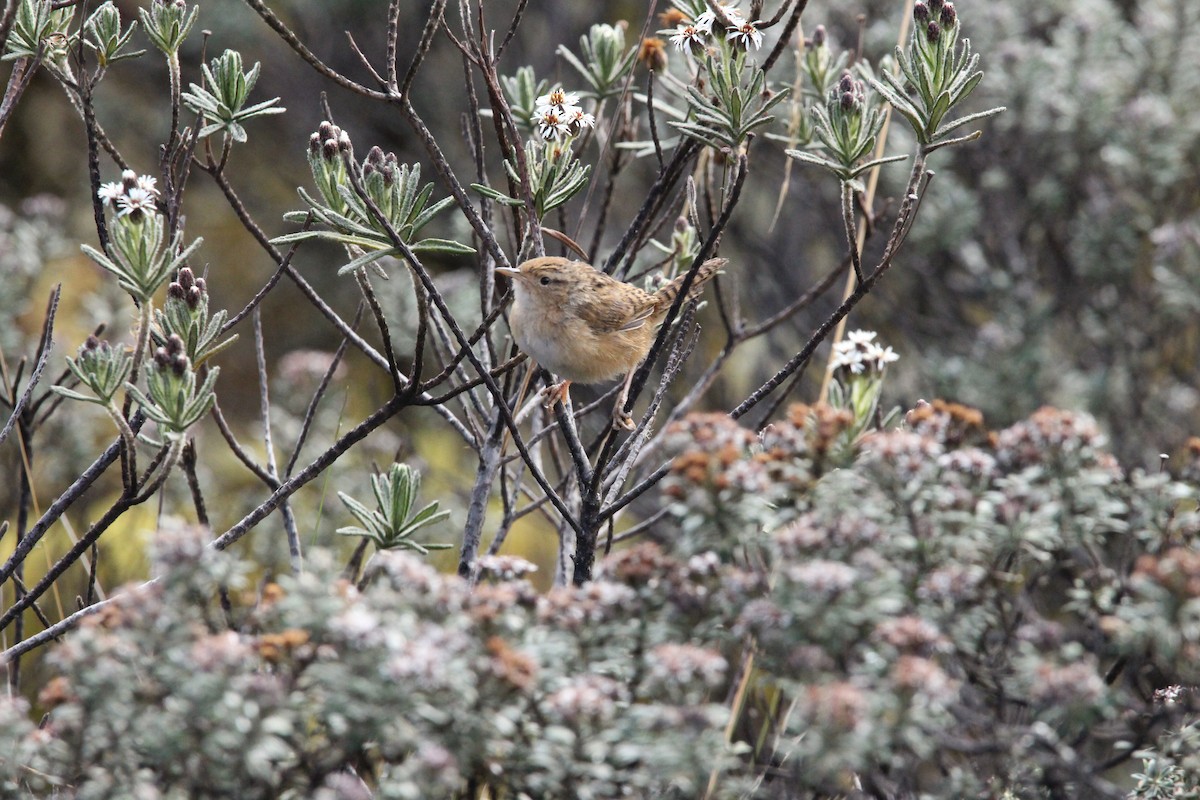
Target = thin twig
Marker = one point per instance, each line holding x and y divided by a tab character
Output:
56	630
45	343
785	35
114	512
399	381
264	402
314	468
240	452
310	412
64	501
431	28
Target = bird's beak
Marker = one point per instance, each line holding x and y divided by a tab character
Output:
510	272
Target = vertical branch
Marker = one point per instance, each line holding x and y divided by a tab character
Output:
490	452
399	382
851	233
188	462
24	503
393	35
18	82
431	26
264	402
89	128
173	137
6	20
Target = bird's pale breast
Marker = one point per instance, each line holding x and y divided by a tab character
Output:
570	348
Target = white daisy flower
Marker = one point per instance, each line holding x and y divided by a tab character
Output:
846	354
882	356
148	184
705	21
860	337
110	193
559	98
688	37
136	201
551	124
577	120
746	35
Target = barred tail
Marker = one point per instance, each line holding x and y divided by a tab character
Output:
667	294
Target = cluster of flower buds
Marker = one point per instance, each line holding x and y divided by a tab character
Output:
369	215
693	35
385	165
100	367
559	114
133	196
325	150
935	17
328	142
173	356
173	399
850	94
184	315
187	288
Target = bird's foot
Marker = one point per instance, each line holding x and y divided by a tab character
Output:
622	420
558	393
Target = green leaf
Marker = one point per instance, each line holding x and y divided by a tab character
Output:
433	245
87	398
364	260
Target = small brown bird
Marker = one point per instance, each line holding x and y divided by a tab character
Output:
588	327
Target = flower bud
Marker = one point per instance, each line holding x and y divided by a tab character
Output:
948	16
672	17
653	54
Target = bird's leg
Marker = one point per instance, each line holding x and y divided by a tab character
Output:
622	418
558	393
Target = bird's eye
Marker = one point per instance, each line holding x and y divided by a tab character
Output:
545	280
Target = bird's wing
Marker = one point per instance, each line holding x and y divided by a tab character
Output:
620	311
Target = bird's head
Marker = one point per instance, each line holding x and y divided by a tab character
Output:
546	280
